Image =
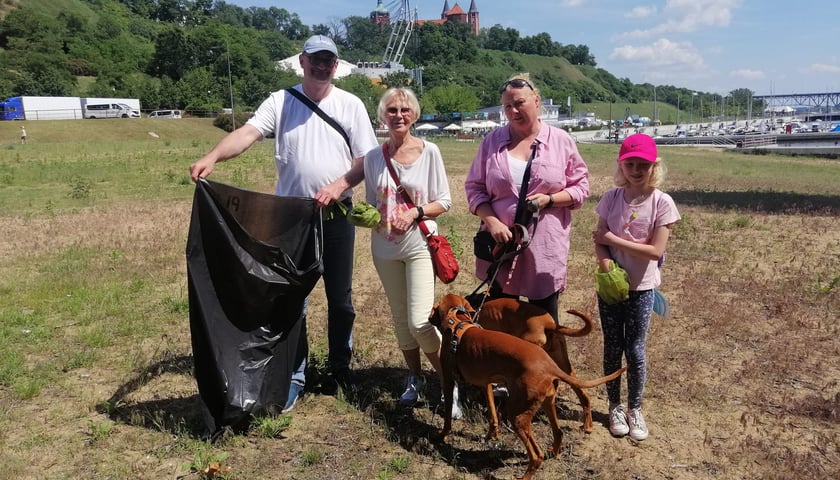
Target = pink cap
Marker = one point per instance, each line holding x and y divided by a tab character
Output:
638	145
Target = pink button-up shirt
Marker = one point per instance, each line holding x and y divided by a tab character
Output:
541	269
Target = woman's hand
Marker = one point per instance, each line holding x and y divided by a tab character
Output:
405	220
499	231
544	200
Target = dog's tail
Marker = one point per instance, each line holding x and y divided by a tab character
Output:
577	332
578	383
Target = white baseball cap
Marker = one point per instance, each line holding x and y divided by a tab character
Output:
319	43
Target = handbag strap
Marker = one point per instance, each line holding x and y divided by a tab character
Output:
400	188
521	205
315	108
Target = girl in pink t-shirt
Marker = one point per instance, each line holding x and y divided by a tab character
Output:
634	223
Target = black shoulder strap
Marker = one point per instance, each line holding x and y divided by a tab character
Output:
315	108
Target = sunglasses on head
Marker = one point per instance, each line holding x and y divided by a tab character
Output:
515	83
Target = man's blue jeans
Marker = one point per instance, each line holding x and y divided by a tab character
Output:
339	241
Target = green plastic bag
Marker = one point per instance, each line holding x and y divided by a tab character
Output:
363	214
613	286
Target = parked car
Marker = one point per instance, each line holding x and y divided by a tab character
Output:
110	110
165	114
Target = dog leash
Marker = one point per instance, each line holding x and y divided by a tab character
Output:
501	254
526	213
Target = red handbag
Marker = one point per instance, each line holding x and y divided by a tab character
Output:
443	259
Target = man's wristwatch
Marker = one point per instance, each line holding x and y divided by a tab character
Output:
420	213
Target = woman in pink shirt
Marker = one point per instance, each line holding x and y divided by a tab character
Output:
559	183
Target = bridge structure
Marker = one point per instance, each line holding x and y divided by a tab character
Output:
817	102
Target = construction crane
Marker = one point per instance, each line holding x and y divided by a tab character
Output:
402	25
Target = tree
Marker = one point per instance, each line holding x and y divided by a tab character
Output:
540	44
33	55
432	44
289	24
362	87
173	54
201	90
578	55
449	99
396	79
364	40
741	96
500	38
277	46
230	15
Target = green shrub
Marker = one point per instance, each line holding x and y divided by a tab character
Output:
224	120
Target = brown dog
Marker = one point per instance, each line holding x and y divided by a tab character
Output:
532	324
482	357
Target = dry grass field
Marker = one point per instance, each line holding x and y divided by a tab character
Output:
95	356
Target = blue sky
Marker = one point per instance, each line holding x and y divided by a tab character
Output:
716	46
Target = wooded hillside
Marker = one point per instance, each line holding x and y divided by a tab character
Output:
197	54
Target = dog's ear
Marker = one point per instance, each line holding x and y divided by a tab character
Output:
468	306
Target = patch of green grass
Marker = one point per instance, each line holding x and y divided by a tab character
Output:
177	305
396	466
125	162
11	366
205	462
28	387
741	221
829	286
313	455
271	426
98	431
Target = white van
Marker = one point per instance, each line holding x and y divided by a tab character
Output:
110	110
165	114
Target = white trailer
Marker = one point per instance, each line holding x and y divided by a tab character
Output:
41	108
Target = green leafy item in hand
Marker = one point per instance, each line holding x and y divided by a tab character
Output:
613	286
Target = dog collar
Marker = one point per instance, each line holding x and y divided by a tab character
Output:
457	326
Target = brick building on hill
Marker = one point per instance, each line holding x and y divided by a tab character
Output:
380	15
456	14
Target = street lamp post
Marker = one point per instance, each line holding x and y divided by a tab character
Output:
678	109
654	105
723	108
691	108
701	108
230	86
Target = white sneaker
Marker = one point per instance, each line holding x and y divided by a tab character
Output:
457	413
638	427
618	420
413	385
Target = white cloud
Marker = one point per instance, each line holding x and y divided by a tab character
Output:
640	12
686	16
572	3
823	68
747	74
661	53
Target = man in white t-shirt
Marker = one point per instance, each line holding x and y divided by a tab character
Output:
314	160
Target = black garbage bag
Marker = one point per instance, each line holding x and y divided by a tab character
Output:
252	258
